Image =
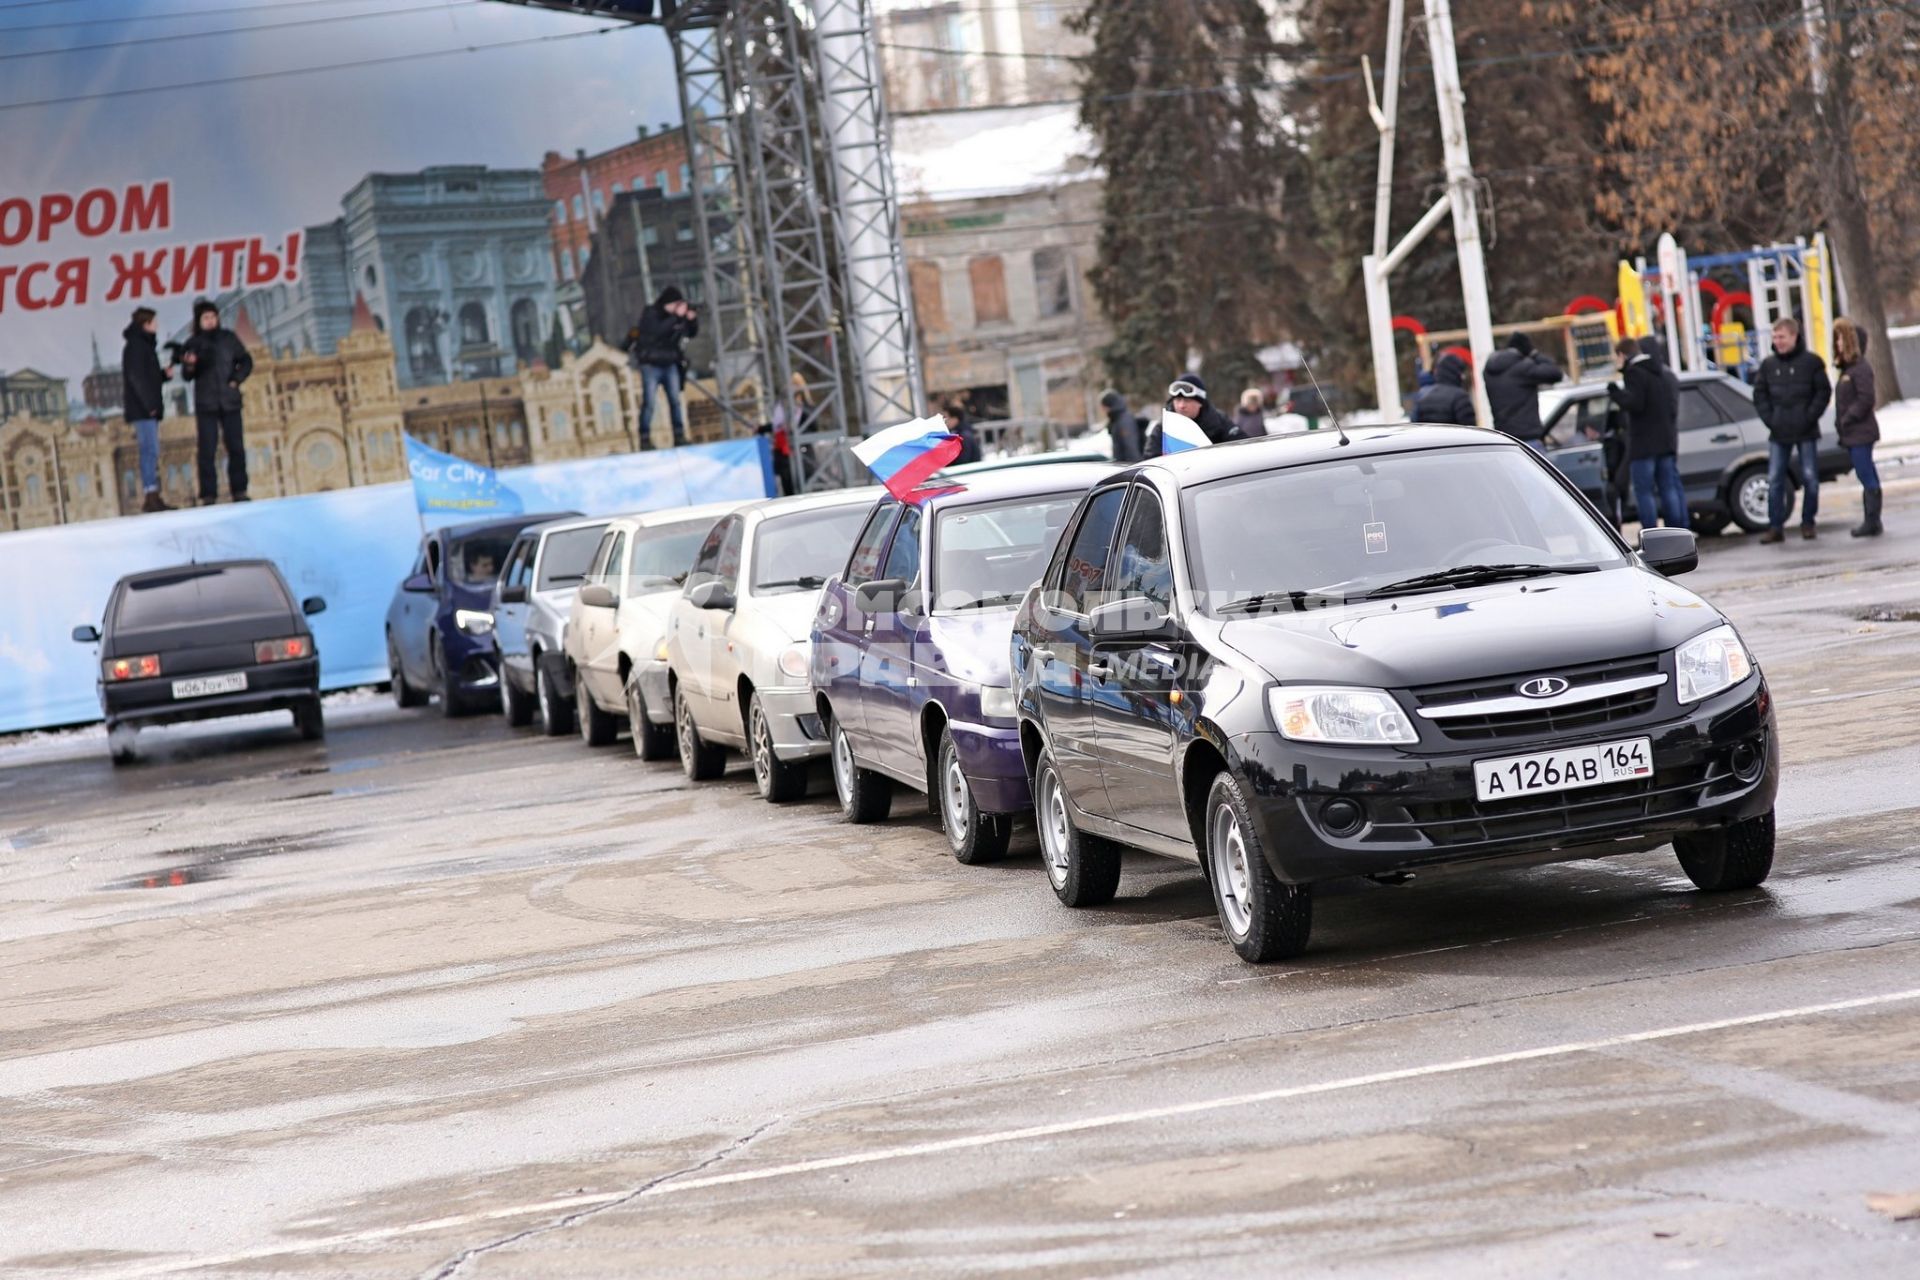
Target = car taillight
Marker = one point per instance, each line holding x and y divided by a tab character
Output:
144	667
283	650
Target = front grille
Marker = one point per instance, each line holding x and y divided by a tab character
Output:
1537	721
1468	821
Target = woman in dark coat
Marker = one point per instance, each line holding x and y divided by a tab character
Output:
1854	420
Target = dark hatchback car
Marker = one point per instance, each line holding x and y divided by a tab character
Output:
1297	660
909	654
440	623
201	642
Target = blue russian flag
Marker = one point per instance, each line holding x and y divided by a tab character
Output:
904	457
1179	433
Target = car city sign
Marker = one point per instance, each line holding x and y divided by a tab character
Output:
1543	687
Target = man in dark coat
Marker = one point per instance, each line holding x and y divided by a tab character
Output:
955	415
659	353
1447	400
216	362
1652	405
1790	392
1123	429
1187	396
142	398
1514	377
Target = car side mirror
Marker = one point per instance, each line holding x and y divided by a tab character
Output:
312	605
419	583
596	595
1135	618
87	635
882	595
1670	551
711	594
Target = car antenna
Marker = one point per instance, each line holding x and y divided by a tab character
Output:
1331	411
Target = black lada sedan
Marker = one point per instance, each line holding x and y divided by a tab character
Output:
1301	659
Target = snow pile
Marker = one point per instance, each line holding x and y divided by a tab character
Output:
963	155
1900	423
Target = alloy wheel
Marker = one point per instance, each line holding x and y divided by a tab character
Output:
683	726
842	766
761	741
1232	872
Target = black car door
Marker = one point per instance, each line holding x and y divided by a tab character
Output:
1131	682
1076	582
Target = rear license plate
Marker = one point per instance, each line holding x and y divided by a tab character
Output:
1563	770
202	686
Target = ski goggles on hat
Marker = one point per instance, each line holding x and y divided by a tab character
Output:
1185	390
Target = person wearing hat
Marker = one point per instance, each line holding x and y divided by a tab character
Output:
216	363
658	351
1123	429
1187	396
1514	377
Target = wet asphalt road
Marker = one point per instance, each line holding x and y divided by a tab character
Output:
443	998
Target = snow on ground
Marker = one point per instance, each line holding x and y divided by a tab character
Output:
1900	423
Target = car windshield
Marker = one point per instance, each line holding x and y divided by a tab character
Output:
567	555
800	552
477	560
1373	527
201	595
663	554
989	554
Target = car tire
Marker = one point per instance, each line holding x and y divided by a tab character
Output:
597	727
1083	869
120	745
516	706
780	781
310	720
1747	511
1735	857
972	836
865	796
552	713
702	761
650	741
453	703
404	694
1708	525
1264	918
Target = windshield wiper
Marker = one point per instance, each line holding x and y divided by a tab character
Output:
564	577
1467	575
1273	599
805	581
988	602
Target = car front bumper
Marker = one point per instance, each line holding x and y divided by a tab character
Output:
657	691
1421	809
274	686
794	724
996	771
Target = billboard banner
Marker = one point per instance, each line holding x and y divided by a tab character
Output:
350	546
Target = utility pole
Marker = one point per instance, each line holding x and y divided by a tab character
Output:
1386	368
1462	196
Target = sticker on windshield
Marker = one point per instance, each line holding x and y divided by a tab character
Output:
1376	535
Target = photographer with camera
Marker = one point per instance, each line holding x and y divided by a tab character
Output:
658	351
216	362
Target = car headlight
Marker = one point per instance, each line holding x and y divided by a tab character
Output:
1709	663
1308	713
660	651
793	662
475	622
996	702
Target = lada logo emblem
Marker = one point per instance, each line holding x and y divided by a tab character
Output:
1542	687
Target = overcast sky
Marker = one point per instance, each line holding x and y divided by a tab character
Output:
278	151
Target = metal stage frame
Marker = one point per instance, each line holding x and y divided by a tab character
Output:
798	217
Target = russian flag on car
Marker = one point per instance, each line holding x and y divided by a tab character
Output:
1179	433
903	457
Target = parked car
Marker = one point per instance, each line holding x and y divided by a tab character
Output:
201	642
1299	659
613	659
909	662
737	637
1723	449
532	599
440	624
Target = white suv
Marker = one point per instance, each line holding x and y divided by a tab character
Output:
737	637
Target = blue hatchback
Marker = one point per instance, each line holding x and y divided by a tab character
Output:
439	628
909	653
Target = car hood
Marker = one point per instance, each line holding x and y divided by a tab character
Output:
791	612
974	644
1499	629
557	601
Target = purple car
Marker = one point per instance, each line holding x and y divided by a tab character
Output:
909	664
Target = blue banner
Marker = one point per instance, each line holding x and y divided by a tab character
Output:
350	546
444	483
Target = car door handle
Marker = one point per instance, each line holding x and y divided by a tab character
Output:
1099	669
1042	654
1726	437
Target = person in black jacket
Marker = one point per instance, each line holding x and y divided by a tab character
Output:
1123	429
1514	377
1652	405
1187	396
142	401
1447	400
216	362
1855	421
959	424
659	353
1790	392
